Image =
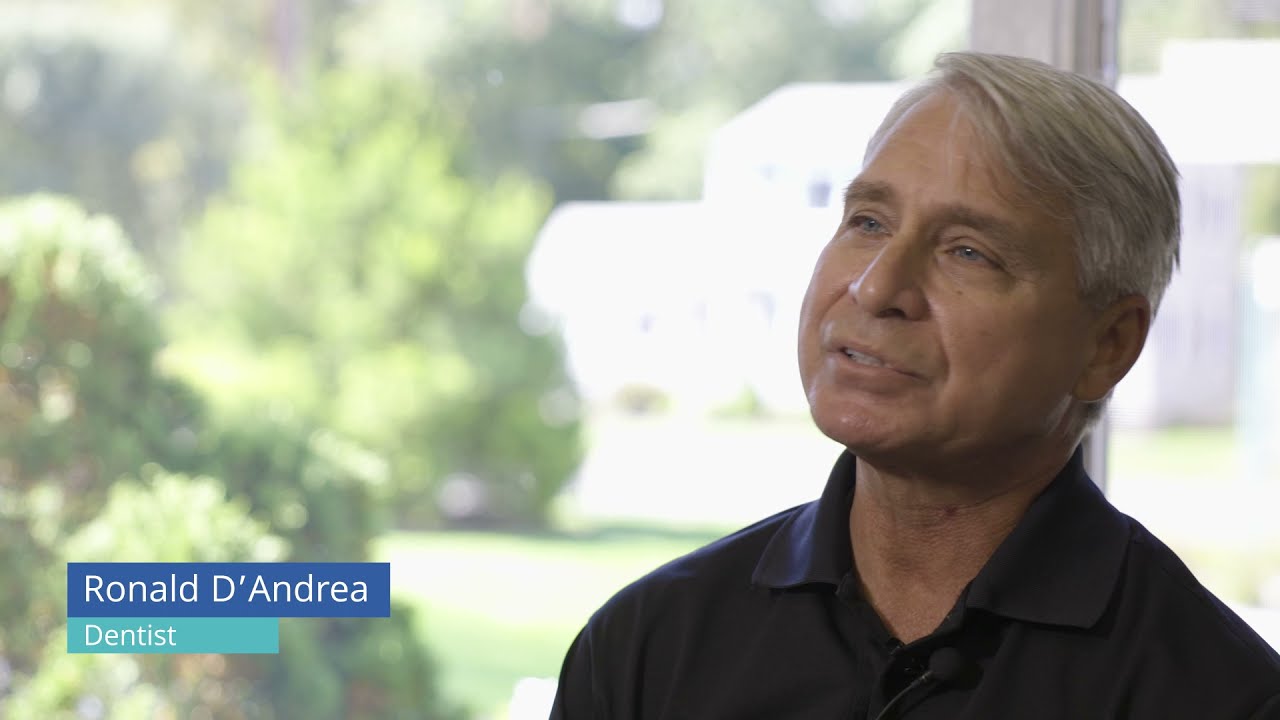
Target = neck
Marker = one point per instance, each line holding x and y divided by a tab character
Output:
918	540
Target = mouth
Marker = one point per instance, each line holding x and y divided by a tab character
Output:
863	358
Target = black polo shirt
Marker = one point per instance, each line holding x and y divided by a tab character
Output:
1080	614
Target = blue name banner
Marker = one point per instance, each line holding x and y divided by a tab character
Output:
212	590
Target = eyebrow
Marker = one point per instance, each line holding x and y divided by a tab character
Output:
999	230
870	191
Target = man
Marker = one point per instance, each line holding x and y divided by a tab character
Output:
994	275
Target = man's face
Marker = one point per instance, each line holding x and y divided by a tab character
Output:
943	318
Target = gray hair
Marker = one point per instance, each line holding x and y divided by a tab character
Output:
1077	143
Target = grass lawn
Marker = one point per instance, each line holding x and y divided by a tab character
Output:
1182	455
498	607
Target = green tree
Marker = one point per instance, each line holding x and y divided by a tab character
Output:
84	408
352	280
166	518
114	113
80	403
526	72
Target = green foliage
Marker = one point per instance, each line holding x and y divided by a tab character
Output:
69	687
525	78
77	337
1262	201
109	111
352	281
80	404
194	516
641	398
82	409
747	404
165	518
1146	25
328	668
325	495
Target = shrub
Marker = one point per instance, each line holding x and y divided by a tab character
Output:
87	425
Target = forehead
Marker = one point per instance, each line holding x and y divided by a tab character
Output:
934	144
934	155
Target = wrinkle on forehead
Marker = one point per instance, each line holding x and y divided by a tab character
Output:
966	149
934	157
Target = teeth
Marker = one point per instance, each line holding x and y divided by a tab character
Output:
863	358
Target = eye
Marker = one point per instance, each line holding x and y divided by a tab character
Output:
971	255
866	223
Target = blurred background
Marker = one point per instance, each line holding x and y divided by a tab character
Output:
504	292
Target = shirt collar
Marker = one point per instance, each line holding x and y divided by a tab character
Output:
1061	563
1058	566
812	546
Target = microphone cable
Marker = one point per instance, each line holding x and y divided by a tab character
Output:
945	665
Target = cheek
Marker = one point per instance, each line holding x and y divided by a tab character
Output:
828	283
809	338
828	286
1009	356
983	342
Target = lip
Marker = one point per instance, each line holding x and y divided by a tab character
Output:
838	349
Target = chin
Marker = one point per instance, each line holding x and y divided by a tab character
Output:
861	431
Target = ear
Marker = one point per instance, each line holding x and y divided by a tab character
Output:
1119	332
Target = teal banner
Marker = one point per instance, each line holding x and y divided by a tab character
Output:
172	636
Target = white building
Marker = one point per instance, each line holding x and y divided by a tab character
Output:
695	300
700	300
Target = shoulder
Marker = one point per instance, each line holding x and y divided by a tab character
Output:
624	658
699	588
1169	609
695	580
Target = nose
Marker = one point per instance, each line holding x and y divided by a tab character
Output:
890	286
